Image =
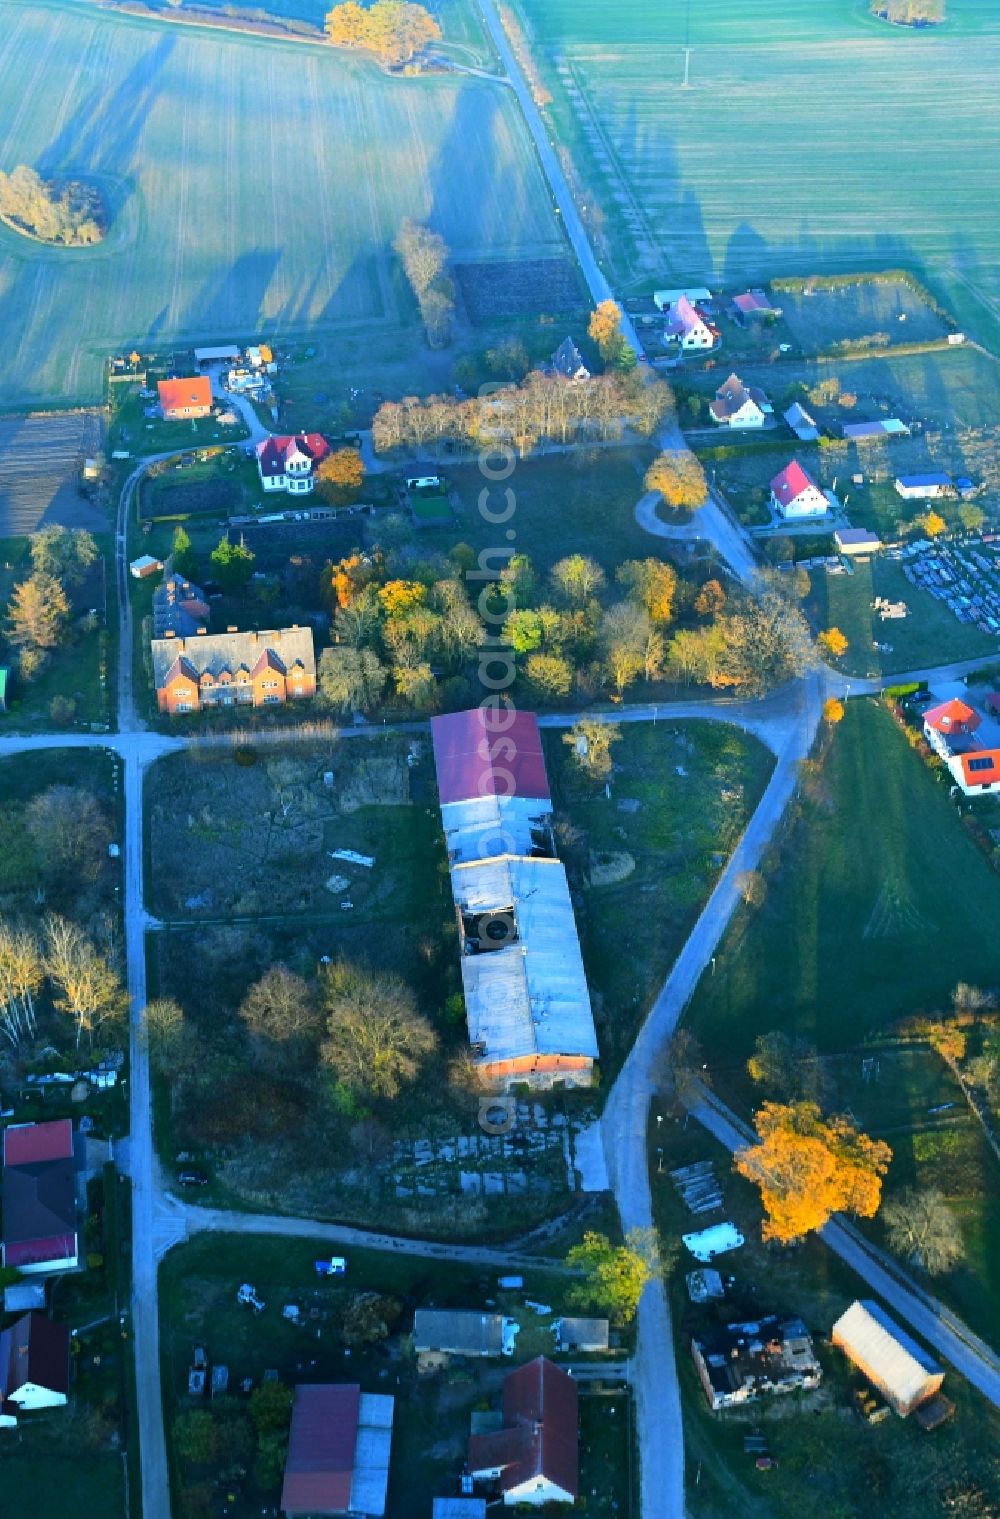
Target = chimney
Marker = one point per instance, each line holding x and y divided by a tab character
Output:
170	633
295	627
231	628
201	632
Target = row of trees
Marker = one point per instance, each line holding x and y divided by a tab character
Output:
82	980
424	256
38	614
394	30
71	214
544	408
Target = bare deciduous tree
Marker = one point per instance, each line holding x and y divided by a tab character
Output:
87	987
376	1039
922	1229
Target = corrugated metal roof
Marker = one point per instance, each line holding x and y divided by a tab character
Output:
531	996
898	1365
483	827
462	1331
487	752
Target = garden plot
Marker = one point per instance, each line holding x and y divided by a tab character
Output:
820	319
269	837
536	1156
530	288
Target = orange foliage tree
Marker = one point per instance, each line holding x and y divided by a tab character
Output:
833	642
339	473
808	1167
833	709
349	576
394	30
653	583
679	478
401	596
605	328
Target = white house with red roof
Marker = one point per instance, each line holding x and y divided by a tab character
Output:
738	405
39	1198
968	742
794	494
535	1457
688	326
289	464
34	1367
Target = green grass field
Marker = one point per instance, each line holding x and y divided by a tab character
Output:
258	185
930	635
765	163
681	796
879	904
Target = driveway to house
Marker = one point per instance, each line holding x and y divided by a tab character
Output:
952	1338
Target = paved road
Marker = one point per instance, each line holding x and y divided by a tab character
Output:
935	1323
626	1113
710	524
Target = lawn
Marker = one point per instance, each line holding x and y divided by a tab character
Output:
431	1418
199	152
827	1460
930	635
863	921
573	503
643	862
817	83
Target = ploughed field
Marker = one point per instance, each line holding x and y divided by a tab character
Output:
812	138
256	187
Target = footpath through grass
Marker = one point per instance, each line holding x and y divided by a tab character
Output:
878	903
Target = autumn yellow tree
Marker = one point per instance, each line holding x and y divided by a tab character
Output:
833	642
394	30
605	329
679	478
340	473
833	710
933	524
808	1167
401	596
653	583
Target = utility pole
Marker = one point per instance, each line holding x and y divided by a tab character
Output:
687	69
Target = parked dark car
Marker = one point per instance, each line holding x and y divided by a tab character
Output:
192	1178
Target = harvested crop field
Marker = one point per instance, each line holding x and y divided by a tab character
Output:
811	138
40	462
259	186
529	288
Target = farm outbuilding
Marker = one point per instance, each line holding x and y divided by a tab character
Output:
526	996
923	487
227	354
890	427
338	1451
463	1332
904	1374
587	1336
664	300
856	540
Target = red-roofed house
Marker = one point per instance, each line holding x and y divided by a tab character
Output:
952	717
687	325
185	398
338	1451
794	494
739	405
289	464
535	1457
34	1366
39	1198
952	729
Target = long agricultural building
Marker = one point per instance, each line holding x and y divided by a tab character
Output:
526	997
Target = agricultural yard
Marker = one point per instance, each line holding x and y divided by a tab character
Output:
679	203
207	240
643	863
861	894
40	462
929	635
825	1456
432	1411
